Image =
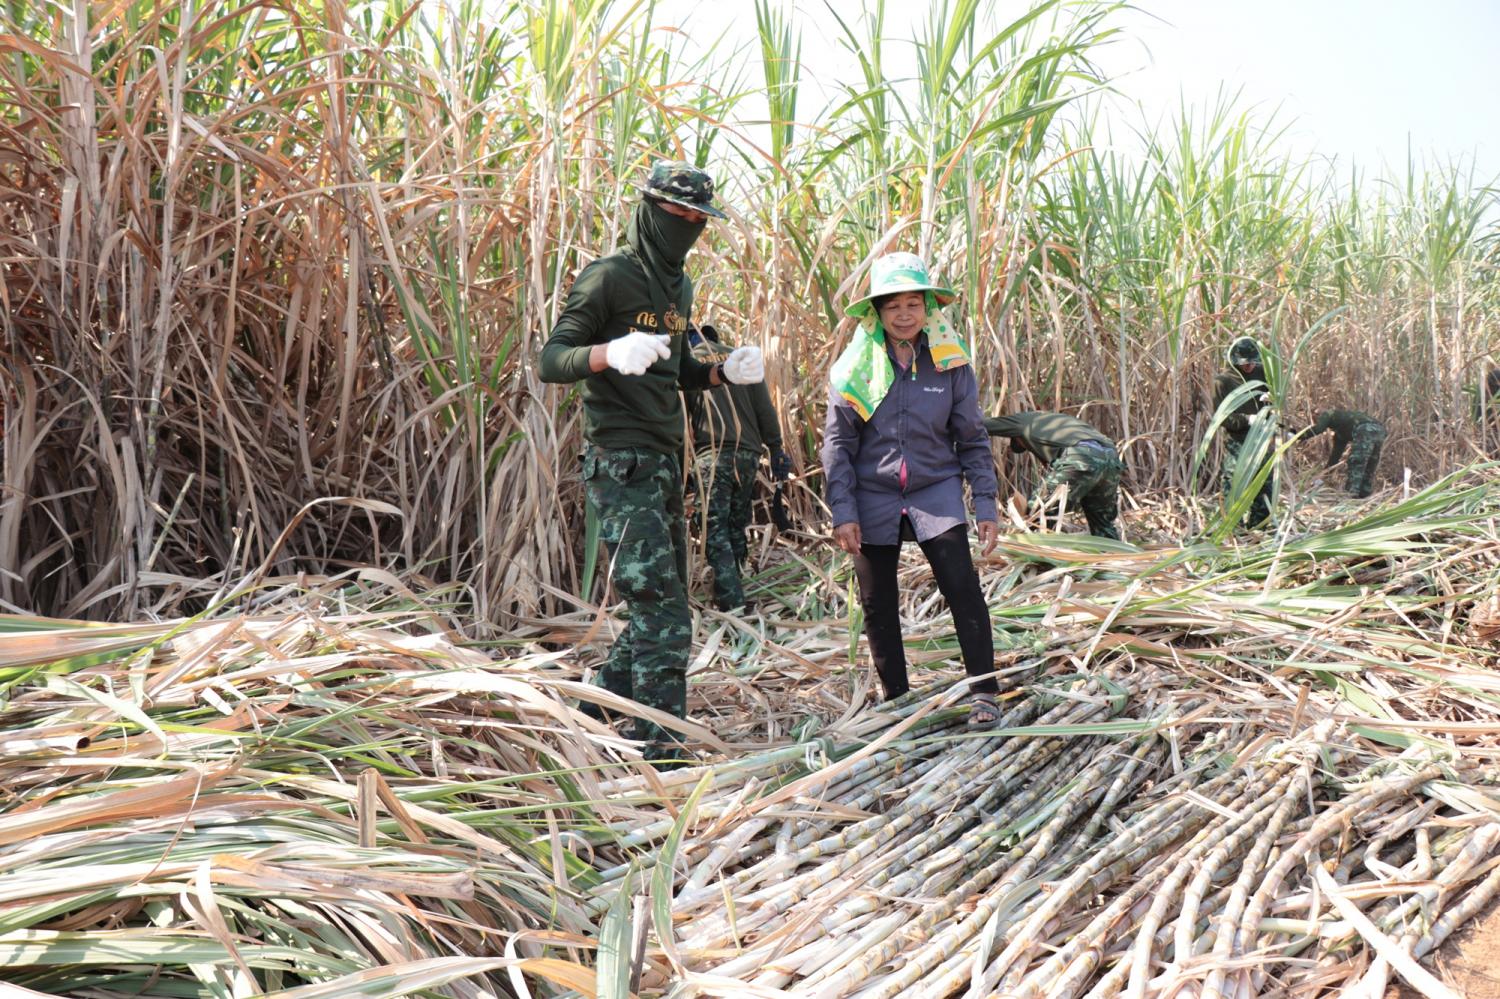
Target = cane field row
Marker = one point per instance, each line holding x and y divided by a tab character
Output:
275	275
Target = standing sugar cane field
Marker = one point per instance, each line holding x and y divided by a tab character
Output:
321	550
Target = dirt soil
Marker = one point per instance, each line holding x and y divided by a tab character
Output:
1469	962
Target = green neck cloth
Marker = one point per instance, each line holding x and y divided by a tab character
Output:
660	241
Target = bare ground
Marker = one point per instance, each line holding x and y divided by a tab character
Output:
1469	962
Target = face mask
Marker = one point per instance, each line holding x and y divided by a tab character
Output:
671	235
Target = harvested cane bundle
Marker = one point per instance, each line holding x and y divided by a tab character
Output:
1069	853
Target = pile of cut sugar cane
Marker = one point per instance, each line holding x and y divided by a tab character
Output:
1114	836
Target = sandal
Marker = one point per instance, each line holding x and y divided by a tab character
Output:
984	710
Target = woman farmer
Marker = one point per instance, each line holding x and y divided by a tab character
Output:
904	433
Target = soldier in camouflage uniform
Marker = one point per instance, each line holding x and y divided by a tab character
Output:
731	426
1362	435
1077	456
622	334
1245	365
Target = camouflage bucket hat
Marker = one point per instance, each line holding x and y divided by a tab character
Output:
682	184
893	274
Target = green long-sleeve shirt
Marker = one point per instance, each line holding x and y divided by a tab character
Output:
1046	435
609	299
732	416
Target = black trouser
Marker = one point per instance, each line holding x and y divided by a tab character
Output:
953	568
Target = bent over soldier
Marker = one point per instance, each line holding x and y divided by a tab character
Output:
1077	456
1362	435
731	426
1245	365
622	334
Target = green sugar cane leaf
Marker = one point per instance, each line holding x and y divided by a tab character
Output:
1122	727
590	546
410	977
661	875
1361	698
615	935
1397	738
1119	696
48	948
125	709
1232	401
856	621
1256	462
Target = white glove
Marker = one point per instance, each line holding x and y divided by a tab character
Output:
636	351
745	366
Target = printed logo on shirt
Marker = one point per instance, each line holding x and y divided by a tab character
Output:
675	323
933	388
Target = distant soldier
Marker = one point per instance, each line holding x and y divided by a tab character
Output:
1077	456
623	335
1245	365
1362	435
731	426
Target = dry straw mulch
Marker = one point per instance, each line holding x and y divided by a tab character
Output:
1262	770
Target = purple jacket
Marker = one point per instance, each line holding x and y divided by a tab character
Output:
931	419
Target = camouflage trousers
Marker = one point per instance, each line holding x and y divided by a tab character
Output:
1260	507
1364	454
637	494
1091	471
727	480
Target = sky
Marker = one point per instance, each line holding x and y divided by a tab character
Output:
1353	81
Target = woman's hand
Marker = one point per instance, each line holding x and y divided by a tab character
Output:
846	536
989	536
